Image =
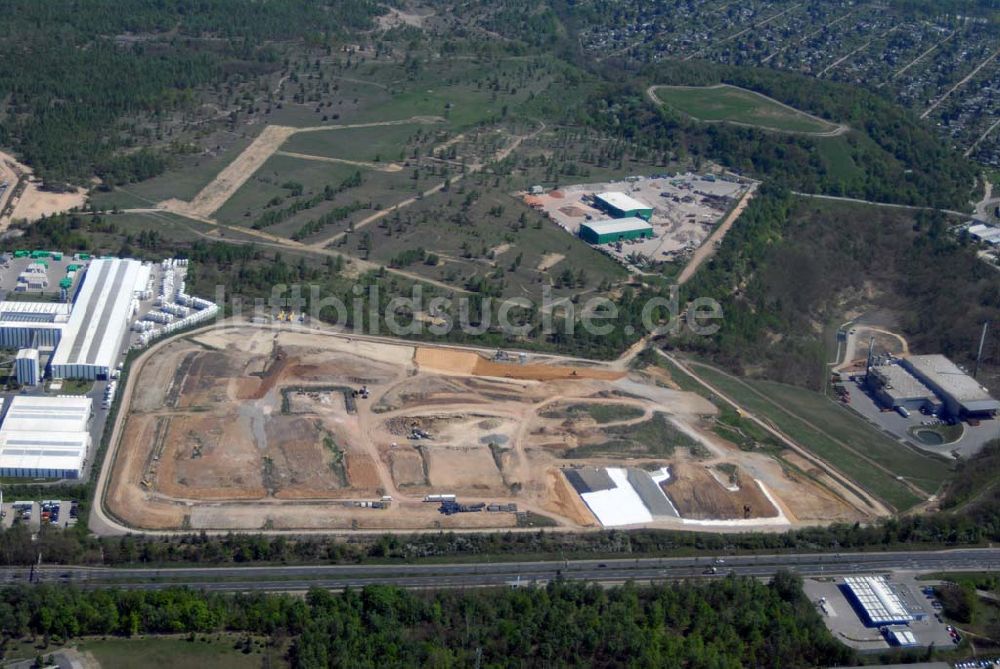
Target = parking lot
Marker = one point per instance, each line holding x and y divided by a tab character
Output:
11	268
686	208
58	513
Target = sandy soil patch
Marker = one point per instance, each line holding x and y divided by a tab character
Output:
36	203
407	466
396	17
390	354
32	203
469	362
564	501
209	457
458	470
549	260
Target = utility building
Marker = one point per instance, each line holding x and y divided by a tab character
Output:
620	205
961	394
26	367
45	437
895	387
615	230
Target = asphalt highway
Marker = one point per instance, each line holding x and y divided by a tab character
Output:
423	575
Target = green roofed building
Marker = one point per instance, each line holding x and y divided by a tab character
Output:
615	230
620	205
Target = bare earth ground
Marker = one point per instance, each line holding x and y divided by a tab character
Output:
246	428
33	203
36	203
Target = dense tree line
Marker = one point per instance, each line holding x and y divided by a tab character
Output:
734	622
889	155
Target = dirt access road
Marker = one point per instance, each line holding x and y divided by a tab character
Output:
710	245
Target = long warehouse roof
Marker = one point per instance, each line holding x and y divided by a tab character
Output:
55	452
880	603
622	201
947	376
618	225
64	413
100	314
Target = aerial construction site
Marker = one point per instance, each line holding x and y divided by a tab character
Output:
237	427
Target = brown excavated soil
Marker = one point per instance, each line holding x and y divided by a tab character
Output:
407	467
471	363
461	470
208	457
564	501
206	445
698	495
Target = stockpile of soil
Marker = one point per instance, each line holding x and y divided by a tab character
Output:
699	496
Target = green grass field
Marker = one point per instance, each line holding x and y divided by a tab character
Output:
836	436
152	653
388	143
186	177
253	197
729	104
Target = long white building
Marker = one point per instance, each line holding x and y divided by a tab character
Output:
99	321
45	437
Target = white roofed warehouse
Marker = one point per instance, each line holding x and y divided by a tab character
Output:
99	323
620	205
962	395
877	600
45	437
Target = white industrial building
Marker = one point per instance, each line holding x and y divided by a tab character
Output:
962	395
880	603
32	324
895	387
26	367
985	233
45	437
100	319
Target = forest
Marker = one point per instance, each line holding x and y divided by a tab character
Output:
733	622
793	263
82	85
